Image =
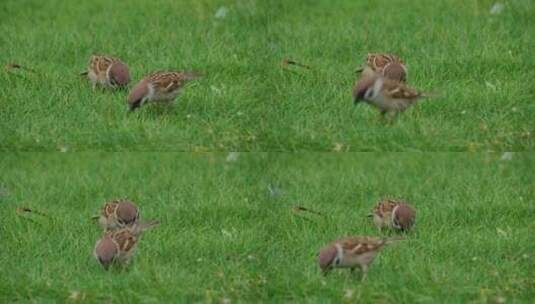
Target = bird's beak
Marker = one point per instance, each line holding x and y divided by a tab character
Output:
369	215
132	107
358	96
359	70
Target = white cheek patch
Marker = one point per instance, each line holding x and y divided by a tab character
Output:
150	94
394	222
369	93
143	101
108	79
377	87
339	253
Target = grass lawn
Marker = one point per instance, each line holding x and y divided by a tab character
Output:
480	63
228	232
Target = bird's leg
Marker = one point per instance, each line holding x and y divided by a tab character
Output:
364	269
169	105
124	264
383	117
392	116
388	116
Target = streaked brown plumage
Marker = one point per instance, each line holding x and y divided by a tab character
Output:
107	71
387	65
118	213
159	86
119	245
385	94
352	252
394	214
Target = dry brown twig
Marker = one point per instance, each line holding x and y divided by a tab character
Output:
13	66
298	209
23	210
287	62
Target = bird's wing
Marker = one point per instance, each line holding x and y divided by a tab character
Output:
100	63
109	209
384	206
167	81
360	244
124	239
397	90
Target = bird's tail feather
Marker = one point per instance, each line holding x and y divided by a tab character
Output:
191	75
429	94
147	225
391	240
288	61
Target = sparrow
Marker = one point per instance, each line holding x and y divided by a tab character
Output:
389	96
159	86
118	214
119	245
107	71
387	65
352	252
395	214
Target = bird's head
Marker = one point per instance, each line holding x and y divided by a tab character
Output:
105	251
127	213
119	75
326	257
403	217
365	82
138	95
395	71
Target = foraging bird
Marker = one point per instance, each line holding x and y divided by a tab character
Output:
118	214
387	65
352	252
107	71
387	95
395	214
119	245
159	86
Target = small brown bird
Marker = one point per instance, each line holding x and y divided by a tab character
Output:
118	214
385	94
352	252
107	71
159	86
394	214
387	65
119	245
